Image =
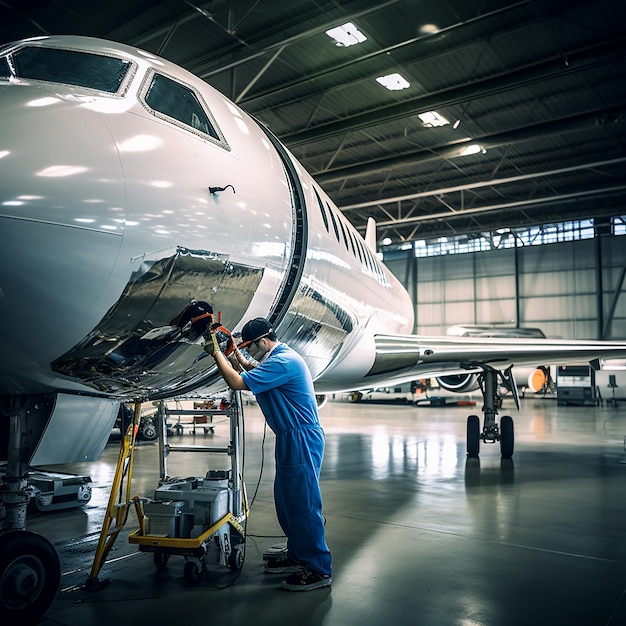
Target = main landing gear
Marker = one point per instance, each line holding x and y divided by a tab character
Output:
492	401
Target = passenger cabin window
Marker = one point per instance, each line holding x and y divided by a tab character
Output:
334	221
322	210
69	67
343	233
179	103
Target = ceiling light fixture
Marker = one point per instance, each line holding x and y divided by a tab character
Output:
393	82
428	29
346	35
431	119
473	148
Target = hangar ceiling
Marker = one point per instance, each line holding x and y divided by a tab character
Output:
534	93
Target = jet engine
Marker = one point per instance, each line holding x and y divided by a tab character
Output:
458	383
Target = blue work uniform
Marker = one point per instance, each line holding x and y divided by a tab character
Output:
283	388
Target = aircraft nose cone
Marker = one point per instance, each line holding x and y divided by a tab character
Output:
61	220
58	162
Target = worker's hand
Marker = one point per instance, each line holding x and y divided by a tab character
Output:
211	346
220	340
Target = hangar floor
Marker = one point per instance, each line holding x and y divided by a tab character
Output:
419	534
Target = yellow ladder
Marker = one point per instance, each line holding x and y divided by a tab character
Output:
119	501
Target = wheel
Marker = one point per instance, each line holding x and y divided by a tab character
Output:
235	558
192	573
30	573
148	431
356	396
507	437
473	436
160	560
84	493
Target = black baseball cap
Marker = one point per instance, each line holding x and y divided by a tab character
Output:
254	330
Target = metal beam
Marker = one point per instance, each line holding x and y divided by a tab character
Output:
482	183
449	216
582	60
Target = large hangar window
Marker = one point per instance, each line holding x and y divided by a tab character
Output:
180	104
69	67
505	238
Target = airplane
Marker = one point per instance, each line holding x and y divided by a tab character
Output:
138	205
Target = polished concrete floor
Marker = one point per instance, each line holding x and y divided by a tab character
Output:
419	533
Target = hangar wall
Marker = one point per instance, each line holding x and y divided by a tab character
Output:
571	290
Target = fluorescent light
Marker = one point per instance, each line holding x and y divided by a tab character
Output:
346	35
430	119
473	148
428	29
393	82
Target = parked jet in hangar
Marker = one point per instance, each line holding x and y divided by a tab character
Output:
136	203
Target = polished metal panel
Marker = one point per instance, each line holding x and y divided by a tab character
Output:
148	338
315	326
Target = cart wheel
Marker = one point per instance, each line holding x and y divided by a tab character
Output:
160	560
148	430
192	573
235	558
29	576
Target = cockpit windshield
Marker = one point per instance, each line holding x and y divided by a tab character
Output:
70	67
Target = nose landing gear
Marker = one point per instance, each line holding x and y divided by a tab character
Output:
492	401
29	576
29	565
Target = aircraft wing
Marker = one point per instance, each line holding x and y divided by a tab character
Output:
406	357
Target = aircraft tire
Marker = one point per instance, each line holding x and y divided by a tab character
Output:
507	437
30	573
473	436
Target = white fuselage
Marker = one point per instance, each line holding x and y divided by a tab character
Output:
109	229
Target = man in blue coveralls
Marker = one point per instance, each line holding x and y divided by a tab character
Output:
282	384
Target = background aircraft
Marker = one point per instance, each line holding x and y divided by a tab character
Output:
137	206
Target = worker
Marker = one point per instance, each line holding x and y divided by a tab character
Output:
282	384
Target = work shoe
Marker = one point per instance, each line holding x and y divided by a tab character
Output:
283	565
306	581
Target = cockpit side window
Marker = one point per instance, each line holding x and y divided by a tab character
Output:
181	104
5	70
69	67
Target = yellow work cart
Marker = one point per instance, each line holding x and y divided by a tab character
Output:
201	519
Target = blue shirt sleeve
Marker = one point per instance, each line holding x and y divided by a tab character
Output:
284	390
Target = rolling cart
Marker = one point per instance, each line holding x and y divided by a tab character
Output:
198	518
